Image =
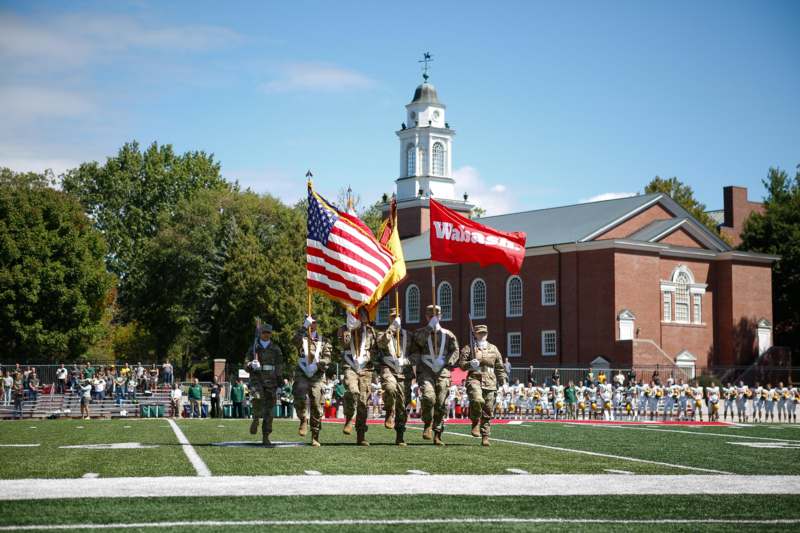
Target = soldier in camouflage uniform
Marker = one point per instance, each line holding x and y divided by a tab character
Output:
485	372
313	360
436	352
396	373
266	374
357	345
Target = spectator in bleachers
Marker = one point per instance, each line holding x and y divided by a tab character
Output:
33	385
99	384
119	389
89	371
237	399
176	399
19	396
138	373
131	387
61	379
145	381
125	371
8	388
166	371
153	378
74	377
196	398
86	397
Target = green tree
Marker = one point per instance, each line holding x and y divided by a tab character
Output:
126	195
54	286
777	232
220	259
684	195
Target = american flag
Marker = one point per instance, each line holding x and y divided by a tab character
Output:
343	259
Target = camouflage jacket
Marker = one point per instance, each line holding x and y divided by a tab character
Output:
491	373
319	352
429	345
358	348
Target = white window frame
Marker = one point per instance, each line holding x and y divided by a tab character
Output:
666	306
509	336
555	292
411	319
509	311
438	159
697	308
447	314
683	299
472	309
545	333
382	315
411	160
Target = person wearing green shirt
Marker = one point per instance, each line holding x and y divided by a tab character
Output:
237	399
195	397
571	397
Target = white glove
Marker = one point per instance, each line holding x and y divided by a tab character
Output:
434	322
475	364
352	322
254	364
312	368
440	361
308	321
397	323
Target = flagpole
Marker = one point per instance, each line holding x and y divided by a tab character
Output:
309	356
397	308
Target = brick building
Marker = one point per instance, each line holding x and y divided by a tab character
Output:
632	281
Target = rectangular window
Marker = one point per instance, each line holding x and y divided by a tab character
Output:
697	301
667	306
549	292
382	317
515	344
682	305
549	342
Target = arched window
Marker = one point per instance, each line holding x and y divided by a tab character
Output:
477	299
514	296
382	318
444	298
682	297
412	304
411	161
438	159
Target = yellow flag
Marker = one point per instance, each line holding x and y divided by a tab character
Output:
389	237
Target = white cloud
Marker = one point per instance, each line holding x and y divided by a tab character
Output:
495	199
606	196
317	77
66	42
25	102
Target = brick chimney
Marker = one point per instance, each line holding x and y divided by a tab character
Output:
737	208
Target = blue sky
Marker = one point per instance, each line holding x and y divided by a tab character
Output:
553	103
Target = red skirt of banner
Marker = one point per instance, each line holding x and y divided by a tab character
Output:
457	239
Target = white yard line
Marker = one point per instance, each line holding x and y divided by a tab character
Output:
198	464
612	471
703	433
597	454
19	445
402	522
417	472
324	485
517	471
313	473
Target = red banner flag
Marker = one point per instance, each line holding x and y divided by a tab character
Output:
457	239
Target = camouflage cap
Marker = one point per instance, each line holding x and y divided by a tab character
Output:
481	328
393	312
266	327
433	309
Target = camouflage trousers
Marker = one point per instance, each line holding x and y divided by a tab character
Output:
263	406
396	396
307	393
356	398
434	389
481	403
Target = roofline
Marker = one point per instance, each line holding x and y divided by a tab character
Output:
621	219
565	206
625	244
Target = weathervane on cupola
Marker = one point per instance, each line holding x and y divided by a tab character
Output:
426	58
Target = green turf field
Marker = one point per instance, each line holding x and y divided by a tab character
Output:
537	448
533	448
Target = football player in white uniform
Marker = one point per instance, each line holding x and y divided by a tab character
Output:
683	399
580	397
712	395
697	396
741	401
608	403
591	399
758	402
729	395
783	397
642	393
770	397
795	393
